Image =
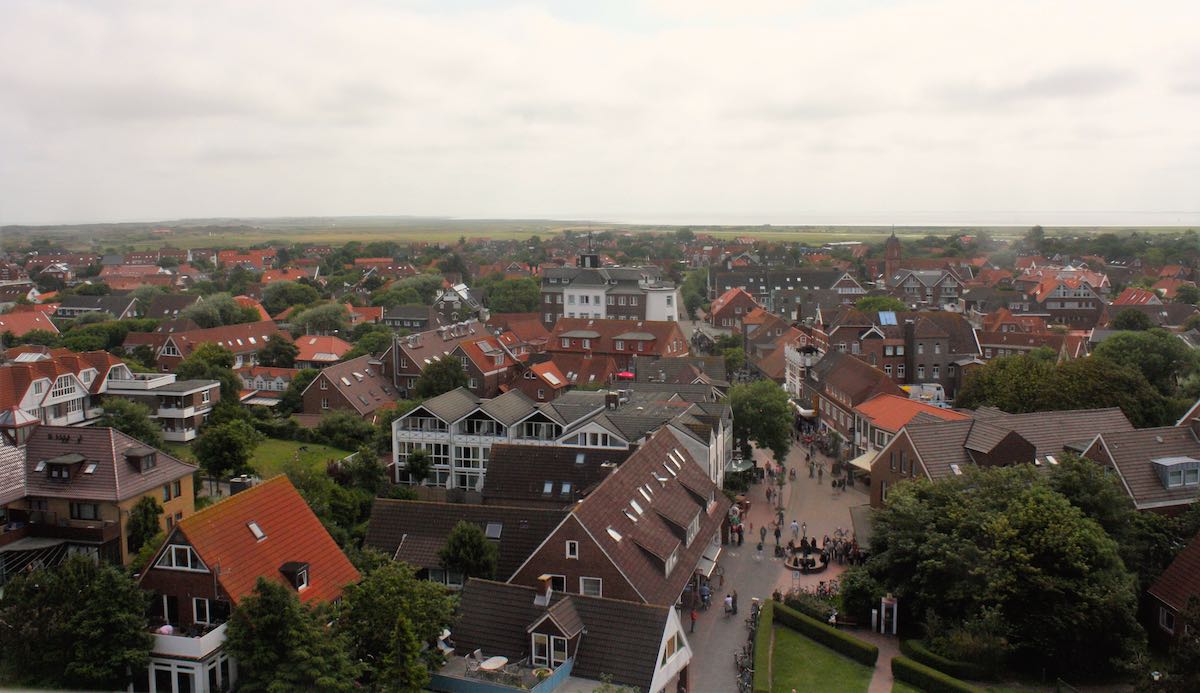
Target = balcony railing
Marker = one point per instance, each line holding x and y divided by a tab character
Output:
49	525
194	645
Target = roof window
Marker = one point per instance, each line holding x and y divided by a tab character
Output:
259	535
493	530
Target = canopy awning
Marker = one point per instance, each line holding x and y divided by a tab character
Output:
708	561
739	465
864	460
806	413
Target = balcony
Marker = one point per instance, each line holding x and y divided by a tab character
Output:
139	383
189	646
457	676
49	525
179	435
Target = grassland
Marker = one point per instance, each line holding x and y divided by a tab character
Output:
800	664
198	233
270	456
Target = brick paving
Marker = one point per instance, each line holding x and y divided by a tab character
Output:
823	510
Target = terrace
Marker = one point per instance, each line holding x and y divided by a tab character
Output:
470	673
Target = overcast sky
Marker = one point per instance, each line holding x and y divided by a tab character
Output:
800	111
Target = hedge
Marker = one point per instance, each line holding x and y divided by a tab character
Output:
917	650
928	679
762	648
827	635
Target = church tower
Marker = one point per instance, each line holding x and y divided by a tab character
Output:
891	257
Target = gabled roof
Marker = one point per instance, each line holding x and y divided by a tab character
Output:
646	542
248	302
114	478
548	373
21	323
361	382
415	531
728	298
115	305
852	377
318	349
621	639
1181	580
520	474
221	536
527	327
1133	453
244	338
1136	296
893	412
169	306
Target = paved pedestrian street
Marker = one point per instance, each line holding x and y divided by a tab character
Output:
823	510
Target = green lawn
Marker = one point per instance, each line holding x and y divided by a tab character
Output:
806	665
270	455
901	687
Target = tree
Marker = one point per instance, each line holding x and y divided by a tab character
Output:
1159	355
279	296
387	617
515	296
39	337
292	400
80	625
1131	319
282	646
217	310
440	377
132	419
694	290
1000	542
418	465
212	362
374	343
454	263
728	341
331	318
278	352
143	522
469	552
761	413
224	450
1187	294
344	430
735	359
876	304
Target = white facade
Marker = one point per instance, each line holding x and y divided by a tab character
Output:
662	303
584	302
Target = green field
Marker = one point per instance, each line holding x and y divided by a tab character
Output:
804	665
272	453
202	233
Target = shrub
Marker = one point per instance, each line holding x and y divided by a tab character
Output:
926	678
979	642
827	635
811	604
860	593
919	652
762	648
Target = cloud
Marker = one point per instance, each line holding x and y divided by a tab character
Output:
627	109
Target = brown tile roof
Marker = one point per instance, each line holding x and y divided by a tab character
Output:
1133	452
1181	580
437	343
526	326
319	349
659	333
114	478
856	379
244	338
1022	340
361	382
622	639
414	531
518	474
647	472
221	535
20	323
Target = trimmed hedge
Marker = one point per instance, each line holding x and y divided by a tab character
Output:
762	648
917	650
827	635
926	678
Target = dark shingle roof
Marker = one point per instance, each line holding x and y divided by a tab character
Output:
113	479
1181	580
517	474
622	639
1133	452
414	531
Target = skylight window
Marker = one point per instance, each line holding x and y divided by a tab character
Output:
90	469
493	530
631	516
345	381
259	535
614	534
41	466
636	507
548	487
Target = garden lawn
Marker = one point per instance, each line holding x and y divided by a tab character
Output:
270	455
807	665
902	687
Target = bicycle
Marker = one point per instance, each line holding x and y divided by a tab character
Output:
742	662
745	681
840	533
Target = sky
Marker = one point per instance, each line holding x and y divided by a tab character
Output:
664	111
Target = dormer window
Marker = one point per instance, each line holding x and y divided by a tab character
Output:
297	574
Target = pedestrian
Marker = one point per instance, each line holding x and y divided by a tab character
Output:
777	535
804	529
795	530
768	494
779	517
694	617
705	596
741	534
762	533
758	556
733	598
812	468
820	473
729	603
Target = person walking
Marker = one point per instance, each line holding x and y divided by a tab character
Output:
777	535
733	599
741	532
705	596
820	473
795	530
762	534
812	468
694	617
804	529
729	604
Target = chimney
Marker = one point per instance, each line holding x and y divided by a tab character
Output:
543	599
611	400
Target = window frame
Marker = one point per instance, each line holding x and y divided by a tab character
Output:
572	549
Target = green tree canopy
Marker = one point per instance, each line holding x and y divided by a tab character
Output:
1187	294
875	304
345	430
515	296
80	625
761	414
219	309
279	351
374	343
387	617
143	522
212	362
1159	355
735	359
440	377
695	290
469	552
132	419
1131	319
292	400
280	296
281	646
224	450
1001	541
330	318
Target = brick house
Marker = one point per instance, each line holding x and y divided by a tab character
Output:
541	382
927	288
1170	594
730	307
210	562
319	352
540	476
171	348
408	356
490	368
1158	467
838	383
623	340
358	386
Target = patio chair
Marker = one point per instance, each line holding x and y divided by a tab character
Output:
472	665
478	655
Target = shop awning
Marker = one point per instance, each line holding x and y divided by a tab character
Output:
739	465
806	413
708	561
864	460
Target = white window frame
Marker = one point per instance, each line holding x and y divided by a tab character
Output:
599	582
572	549
196	602
544	640
1166	619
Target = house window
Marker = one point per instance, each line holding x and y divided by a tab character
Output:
920	347
620	300
302	579
899	350
176	488
633	300
937	347
936	372
324	402
558	650
472	383
179	557
566	343
591	586
892	460
1166	619
641	346
610	300
549	317
541	649
37	387
558	299
587	344
883	489
572	549
674	645
541	393
85	511
200	610
887	369
324	384
900	370
205	397
166	492
619	344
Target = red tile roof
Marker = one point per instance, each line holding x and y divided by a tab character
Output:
247	302
287	274
240	339
1136	296
21	322
892	412
365	313
317	349
1168	287
550	374
221	535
